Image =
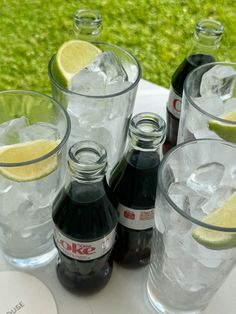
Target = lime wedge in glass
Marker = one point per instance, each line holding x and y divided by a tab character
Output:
28	151
225	131
72	56
224	216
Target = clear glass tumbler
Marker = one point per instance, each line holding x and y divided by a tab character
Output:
193	250
34	130
209	103
103	118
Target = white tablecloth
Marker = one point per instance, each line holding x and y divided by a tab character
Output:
126	292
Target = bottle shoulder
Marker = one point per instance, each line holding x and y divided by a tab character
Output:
134	180
81	215
187	65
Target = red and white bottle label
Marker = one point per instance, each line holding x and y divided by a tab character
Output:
84	251
135	218
174	103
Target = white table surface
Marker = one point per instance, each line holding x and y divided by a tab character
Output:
125	293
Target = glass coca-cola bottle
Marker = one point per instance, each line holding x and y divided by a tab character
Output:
206	40
134	183
85	220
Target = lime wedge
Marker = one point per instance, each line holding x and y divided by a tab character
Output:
72	57
24	152
224	216
226	131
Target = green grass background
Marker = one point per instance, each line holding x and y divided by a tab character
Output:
157	32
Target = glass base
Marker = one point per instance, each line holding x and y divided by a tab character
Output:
160	308
32	262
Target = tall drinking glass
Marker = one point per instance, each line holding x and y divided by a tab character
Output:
209	103
34	130
193	249
102	117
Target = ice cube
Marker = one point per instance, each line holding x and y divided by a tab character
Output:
196	204
175	173
109	63
212	104
179	248
187	199
89	113
210	258
98	134
116	87
217	199
172	242
42	192
39	130
230	105
9	130
229	178
75	126
87	82
13	203
218	80
101	77
202	256
205	180
159	224
179	193
196	124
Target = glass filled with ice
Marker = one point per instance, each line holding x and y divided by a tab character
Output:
100	98
209	103
194	241
34	130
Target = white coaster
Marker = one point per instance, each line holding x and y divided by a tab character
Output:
22	293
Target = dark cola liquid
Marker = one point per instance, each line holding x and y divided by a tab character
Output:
87	213
177	82
134	183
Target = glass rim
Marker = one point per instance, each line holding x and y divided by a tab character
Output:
217	31
164	192
191	101
88	146
127	89
78	16
148	118
62	142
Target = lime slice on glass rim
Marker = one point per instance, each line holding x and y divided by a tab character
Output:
72	56
225	131
224	216
23	152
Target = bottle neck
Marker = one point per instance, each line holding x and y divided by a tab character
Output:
144	145
207	37
202	48
146	132
87	24
87	162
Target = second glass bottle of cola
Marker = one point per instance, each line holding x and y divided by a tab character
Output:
206	40
134	183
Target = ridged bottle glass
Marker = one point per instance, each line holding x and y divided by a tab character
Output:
134	184
85	220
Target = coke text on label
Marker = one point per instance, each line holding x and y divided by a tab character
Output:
84	251
174	103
